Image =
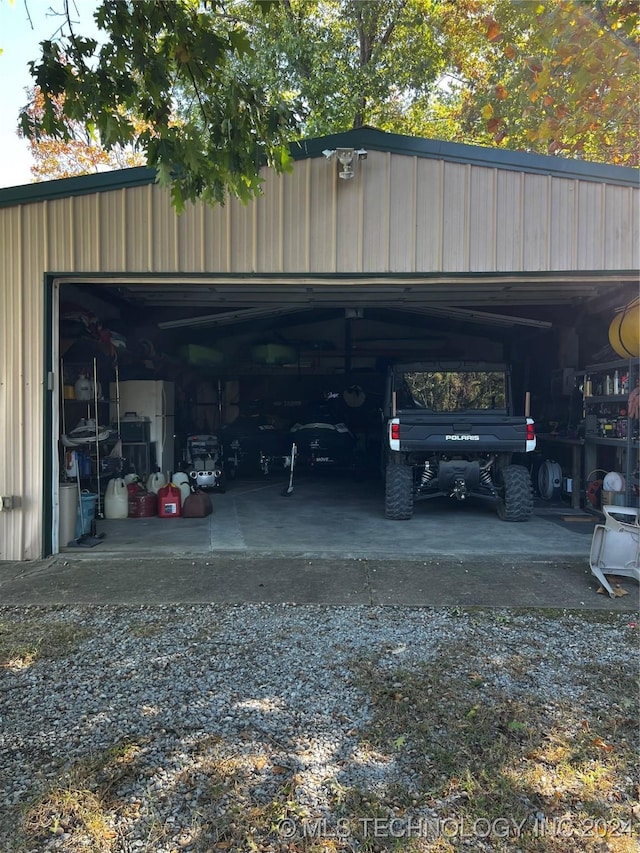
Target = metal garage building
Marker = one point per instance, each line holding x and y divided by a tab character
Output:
450	238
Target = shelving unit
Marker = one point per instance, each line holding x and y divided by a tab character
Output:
90	454
611	435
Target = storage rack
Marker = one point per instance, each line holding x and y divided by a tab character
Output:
610	433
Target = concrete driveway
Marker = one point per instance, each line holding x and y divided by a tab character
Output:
327	542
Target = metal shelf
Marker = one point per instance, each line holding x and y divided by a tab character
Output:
610	398
626	449
610	442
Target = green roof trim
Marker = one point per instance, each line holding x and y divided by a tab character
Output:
372	139
368	138
79	185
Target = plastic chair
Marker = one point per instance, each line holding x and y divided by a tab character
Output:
615	546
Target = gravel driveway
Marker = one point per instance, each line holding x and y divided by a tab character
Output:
291	728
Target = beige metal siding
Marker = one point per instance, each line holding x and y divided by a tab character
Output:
376	232
618	228
429	220
535	234
455	214
165	227
509	221
590	246
86	246
350	225
12	386
399	214
142	207
291	234
112	228
322	203
482	219
32	383
271	224
400	230
562	216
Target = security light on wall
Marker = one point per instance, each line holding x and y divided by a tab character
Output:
346	158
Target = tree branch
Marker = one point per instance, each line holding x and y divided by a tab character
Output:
189	70
602	19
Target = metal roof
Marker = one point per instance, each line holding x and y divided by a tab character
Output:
364	137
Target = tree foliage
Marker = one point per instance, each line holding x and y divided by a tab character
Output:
80	153
210	90
552	77
348	63
165	63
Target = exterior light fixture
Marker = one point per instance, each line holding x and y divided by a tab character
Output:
346	158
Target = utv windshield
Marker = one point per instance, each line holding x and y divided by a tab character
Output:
452	391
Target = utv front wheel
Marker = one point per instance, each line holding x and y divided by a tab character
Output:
516	503
398	494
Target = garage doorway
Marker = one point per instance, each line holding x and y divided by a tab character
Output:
252	354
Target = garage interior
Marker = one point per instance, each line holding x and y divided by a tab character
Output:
265	351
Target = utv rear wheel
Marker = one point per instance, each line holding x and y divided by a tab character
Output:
516	503
398	496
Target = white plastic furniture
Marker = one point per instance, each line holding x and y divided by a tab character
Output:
615	547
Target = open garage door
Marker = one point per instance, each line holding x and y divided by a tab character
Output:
204	381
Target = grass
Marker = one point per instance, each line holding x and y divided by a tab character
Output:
480	758
83	806
25	642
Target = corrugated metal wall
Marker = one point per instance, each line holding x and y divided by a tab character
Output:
401	214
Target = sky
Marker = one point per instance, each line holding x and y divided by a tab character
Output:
23	25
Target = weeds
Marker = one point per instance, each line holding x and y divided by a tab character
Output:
480	758
23	643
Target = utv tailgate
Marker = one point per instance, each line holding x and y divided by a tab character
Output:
461	434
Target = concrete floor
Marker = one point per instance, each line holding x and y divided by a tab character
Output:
332	515
327	543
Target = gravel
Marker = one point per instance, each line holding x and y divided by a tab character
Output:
209	709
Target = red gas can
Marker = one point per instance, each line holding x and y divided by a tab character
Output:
143	504
133	489
169	501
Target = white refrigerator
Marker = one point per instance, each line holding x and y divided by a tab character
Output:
153	399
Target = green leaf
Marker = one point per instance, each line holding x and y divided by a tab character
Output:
224	90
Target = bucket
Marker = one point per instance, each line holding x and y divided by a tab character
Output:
612	498
169	501
116	499
68	512
86	513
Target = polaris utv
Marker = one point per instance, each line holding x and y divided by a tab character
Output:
450	430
